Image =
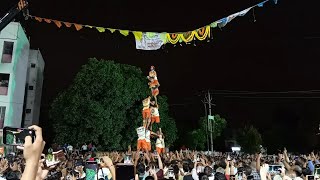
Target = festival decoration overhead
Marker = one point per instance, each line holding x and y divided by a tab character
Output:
155	40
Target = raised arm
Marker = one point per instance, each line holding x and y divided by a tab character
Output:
32	153
110	166
160	161
258	163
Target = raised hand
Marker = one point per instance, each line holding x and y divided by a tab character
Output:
263	171
4	166
43	170
32	153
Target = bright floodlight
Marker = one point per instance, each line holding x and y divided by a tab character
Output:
236	148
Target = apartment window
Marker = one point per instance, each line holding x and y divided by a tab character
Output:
4	83
30	87
28	111
33	65
2	116
7	52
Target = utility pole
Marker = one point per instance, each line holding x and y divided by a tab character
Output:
210	119
206	116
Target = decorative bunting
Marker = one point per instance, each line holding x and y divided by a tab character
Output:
154	40
261	4
200	34
78	26
244	12
38	19
187	36
137	35
124	32
222	22
58	23
214	24
111	30
203	33
67	24
101	29
47	21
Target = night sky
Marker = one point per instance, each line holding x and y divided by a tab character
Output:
277	52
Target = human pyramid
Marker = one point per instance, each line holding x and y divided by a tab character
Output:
150	115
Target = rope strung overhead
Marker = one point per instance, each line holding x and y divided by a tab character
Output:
154	40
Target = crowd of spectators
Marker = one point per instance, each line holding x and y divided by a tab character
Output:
72	164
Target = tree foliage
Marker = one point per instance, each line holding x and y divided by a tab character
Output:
219	124
103	105
197	139
198	136
249	139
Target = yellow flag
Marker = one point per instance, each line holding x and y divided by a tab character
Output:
101	29
137	35
111	30
124	32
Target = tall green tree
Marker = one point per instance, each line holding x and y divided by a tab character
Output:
218	125
198	137
249	139
103	105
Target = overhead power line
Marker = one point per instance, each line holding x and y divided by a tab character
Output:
274	97
222	92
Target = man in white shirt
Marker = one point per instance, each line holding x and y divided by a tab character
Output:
84	148
70	148
160	146
141	144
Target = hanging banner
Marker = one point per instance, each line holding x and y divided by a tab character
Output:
150	41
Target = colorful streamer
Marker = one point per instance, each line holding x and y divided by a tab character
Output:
154	40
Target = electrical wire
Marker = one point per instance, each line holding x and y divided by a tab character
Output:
274	97
222	92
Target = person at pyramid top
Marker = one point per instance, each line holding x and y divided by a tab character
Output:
153	78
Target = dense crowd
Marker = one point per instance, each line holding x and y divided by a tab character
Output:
77	164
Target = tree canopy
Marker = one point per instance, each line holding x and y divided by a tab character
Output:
198	136
103	105
249	139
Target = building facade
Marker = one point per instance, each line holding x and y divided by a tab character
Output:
34	88
21	76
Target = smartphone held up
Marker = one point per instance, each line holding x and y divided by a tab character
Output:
16	136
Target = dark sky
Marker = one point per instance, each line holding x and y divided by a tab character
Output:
278	52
